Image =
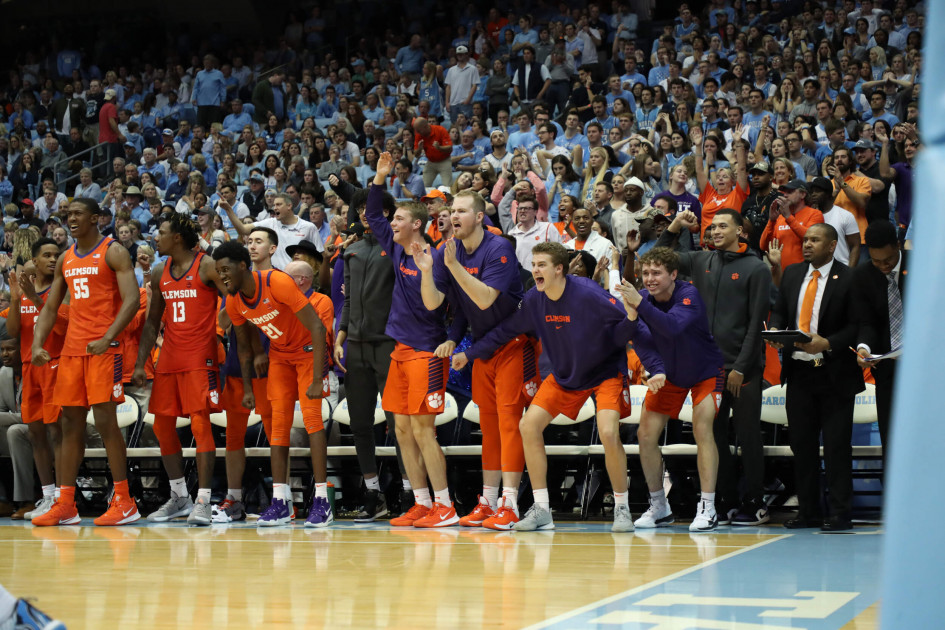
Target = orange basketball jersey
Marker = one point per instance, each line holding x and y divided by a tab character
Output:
190	321
272	310
94	299
28	315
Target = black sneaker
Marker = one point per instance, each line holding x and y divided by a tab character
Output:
726	513
406	500
752	512
375	506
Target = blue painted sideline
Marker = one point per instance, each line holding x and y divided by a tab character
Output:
845	568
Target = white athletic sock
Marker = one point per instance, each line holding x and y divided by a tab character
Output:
321	490
281	491
541	498
203	495
443	497
407	486
57	493
622	498
422	497
236	493
658	498
510	496
373	483
709	498
179	487
49	491
7	604
491	495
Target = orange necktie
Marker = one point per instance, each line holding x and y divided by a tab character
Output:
807	306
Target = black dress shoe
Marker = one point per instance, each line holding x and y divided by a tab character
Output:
836	524
802	523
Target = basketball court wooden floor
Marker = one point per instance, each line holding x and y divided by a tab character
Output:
372	576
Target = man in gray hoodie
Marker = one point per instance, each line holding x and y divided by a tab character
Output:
735	285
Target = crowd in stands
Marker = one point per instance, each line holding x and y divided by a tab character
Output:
573	123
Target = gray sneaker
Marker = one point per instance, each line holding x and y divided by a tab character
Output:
44	505
174	508
623	520
536	518
200	515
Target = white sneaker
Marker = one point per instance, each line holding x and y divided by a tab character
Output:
656	516
623	520
706	520
43	506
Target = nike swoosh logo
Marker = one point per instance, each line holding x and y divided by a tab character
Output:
128	513
166	283
557	327
444	517
53	367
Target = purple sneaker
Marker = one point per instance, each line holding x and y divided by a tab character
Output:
320	515
277	513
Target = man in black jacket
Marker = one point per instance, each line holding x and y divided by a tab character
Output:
822	377
880	288
735	286
369	287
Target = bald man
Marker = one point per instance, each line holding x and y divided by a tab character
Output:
434	141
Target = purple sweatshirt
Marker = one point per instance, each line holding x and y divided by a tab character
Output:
673	337
584	333
410	323
493	263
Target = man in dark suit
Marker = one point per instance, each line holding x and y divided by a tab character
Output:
822	377
879	290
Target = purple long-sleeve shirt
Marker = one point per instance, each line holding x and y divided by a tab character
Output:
673	337
584	333
493	263
410	323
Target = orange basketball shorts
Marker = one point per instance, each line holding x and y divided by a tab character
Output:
39	384
416	383
89	380
185	393
611	394
670	398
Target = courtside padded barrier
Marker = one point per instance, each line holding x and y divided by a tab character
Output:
772	412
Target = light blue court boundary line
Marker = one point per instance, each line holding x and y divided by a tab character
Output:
805	580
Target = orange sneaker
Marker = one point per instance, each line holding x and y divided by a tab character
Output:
121	511
502	520
439	516
413	515
475	518
58	514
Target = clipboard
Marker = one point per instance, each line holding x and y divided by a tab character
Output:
786	337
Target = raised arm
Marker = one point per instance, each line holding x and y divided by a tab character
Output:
741	157
695	134
241	228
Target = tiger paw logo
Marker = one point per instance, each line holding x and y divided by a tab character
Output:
735	276
687	301
214	397
504	260
116	391
435	400
626	396
531	388
324	385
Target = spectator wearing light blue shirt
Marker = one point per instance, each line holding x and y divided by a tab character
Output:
152	166
466	155
409	59
236	120
305	107
407	184
209	92
328	104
